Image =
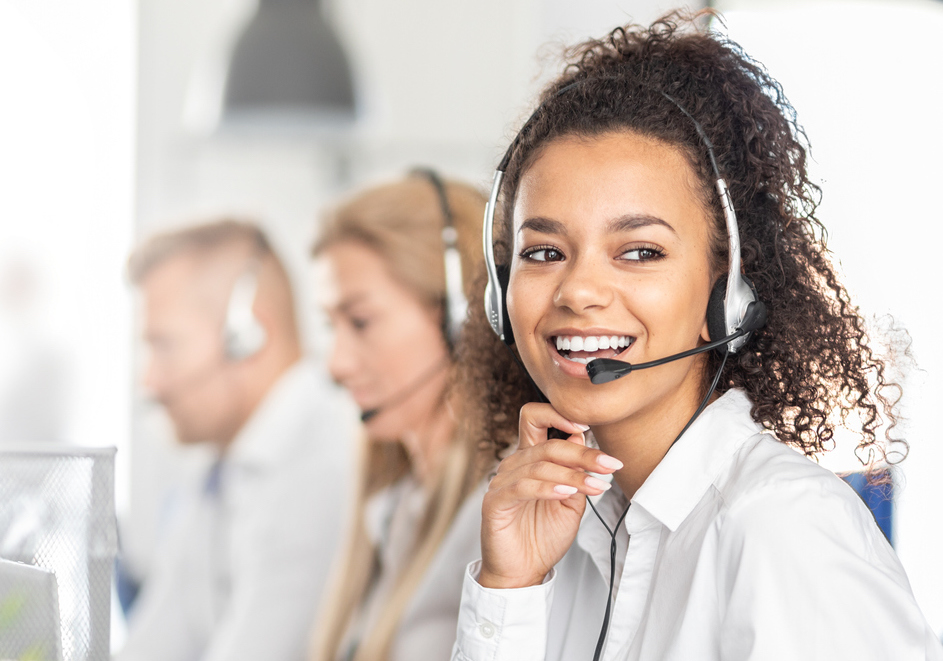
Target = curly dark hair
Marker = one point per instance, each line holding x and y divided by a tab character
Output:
811	369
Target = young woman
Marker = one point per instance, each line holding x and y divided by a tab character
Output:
396	317
713	538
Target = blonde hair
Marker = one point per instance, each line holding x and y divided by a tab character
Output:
402	222
224	238
197	239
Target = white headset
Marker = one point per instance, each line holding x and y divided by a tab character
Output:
730	298
243	334
455	304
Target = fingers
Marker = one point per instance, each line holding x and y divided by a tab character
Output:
546	480
536	419
570	453
552	469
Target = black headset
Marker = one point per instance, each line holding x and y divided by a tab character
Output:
734	310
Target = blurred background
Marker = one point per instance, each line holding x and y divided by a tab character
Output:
123	118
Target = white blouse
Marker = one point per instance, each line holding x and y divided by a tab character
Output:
427	628
741	549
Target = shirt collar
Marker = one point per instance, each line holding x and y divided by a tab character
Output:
381	507
679	481
280	421
677	484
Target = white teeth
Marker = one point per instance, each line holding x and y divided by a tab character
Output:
592	343
582	361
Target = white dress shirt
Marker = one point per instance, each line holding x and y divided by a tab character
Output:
242	572
741	549
426	631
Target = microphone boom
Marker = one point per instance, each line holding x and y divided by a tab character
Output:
604	370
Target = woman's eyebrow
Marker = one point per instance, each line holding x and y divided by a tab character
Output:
621	224
352	301
543	225
635	221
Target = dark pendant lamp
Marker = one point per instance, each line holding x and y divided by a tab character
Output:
288	73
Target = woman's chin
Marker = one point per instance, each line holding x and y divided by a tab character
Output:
380	430
587	410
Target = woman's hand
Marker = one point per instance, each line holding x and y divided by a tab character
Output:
534	504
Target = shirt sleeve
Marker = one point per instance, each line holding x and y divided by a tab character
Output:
502	625
163	626
806	574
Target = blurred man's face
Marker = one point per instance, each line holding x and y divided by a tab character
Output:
187	370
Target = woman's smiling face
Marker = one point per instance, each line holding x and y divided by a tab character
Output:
612	258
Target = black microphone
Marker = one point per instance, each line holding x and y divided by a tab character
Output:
604	370
405	393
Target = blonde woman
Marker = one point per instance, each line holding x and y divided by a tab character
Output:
395	299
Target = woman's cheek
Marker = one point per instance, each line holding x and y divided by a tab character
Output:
526	303
525	290
522	316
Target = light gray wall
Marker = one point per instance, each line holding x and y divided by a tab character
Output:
441	83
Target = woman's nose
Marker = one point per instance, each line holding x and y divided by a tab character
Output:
342	362
585	284
152	380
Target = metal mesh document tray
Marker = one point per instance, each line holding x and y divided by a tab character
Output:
57	513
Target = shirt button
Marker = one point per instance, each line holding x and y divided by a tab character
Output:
486	629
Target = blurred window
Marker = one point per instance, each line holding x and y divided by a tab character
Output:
66	219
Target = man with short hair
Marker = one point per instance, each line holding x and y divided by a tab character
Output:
244	567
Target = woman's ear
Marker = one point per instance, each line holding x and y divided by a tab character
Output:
705	332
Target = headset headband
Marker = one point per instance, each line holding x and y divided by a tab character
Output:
455	307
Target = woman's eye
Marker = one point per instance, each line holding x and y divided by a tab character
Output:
359	323
542	254
642	254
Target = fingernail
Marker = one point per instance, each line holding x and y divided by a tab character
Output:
565	489
606	461
581	427
595	483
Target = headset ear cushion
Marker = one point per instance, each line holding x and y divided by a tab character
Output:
716	319
504	277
